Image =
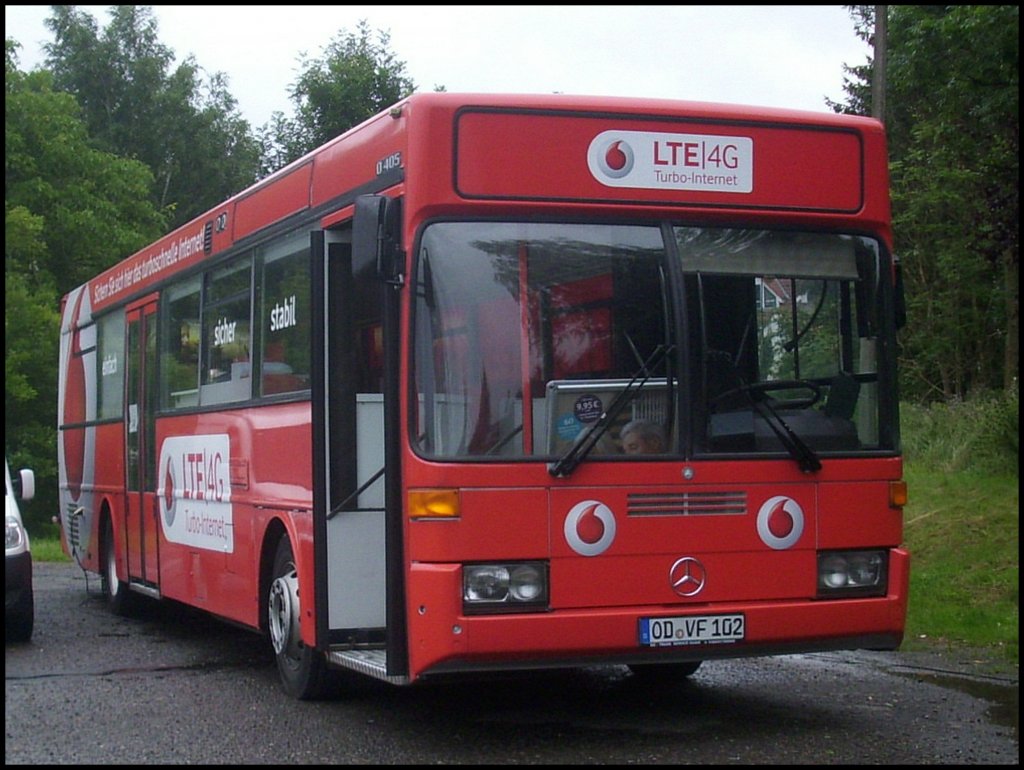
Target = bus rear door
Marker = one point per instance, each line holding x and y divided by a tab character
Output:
141	510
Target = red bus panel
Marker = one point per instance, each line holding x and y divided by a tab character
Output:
544	157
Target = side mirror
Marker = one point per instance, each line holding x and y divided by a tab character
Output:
28	484
375	235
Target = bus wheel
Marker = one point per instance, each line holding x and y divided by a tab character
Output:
660	672
115	591
301	668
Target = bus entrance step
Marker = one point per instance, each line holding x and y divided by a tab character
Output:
370	662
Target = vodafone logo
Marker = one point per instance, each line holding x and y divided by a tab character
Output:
780	522
170	483
589	528
616	159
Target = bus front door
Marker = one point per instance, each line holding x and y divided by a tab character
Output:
141	510
357	544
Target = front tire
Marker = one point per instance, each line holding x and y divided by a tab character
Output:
301	668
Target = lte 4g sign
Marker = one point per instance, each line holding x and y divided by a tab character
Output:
195	492
661	161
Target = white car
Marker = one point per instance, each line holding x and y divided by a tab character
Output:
19	609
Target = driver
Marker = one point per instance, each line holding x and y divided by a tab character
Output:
642	436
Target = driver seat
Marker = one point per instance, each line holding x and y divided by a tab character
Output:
842	397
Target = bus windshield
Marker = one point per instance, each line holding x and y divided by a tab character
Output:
645	340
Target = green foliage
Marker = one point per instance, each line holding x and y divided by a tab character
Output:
952	118
981	434
187	131
90	206
70	211
953	99
30	320
356	78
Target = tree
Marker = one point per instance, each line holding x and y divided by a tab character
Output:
137	104
952	121
69	211
356	78
95	204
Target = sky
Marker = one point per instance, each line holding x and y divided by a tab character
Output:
789	56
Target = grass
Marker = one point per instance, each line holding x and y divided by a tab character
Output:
962	524
47	549
962	530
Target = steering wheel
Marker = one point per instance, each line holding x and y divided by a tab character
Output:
758	390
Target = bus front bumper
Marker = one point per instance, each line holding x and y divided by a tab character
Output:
444	640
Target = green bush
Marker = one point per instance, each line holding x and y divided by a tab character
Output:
979	434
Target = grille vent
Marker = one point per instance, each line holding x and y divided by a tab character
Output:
687	504
73	518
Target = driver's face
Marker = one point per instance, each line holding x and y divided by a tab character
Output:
637	445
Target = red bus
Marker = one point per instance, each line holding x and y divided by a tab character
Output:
509	382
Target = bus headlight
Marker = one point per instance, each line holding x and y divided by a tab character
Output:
506	587
852	573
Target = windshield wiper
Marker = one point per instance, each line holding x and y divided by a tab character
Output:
578	452
796	446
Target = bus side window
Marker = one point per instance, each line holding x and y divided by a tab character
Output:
285	321
179	363
226	371
111	356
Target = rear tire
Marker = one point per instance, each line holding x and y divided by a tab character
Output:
302	669
115	592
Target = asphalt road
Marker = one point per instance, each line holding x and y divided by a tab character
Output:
172	686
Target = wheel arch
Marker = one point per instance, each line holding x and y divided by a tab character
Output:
272	535
105	514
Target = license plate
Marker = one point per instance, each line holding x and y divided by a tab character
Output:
691	629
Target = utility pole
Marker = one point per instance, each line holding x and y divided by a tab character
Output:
869	347
878	73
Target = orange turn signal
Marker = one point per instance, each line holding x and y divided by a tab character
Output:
897	493
433	503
